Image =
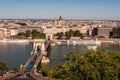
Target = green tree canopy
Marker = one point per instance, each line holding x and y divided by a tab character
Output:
60	35
77	33
38	35
34	34
3	67
28	33
92	65
68	35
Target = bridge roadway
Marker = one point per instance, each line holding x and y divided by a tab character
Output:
37	61
34	59
39	58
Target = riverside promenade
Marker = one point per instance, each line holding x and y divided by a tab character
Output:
109	40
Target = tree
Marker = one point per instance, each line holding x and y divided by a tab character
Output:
3	67
60	35
34	34
92	65
71	32
15	69
42	36
37	35
34	31
28	33
68	35
77	33
20	35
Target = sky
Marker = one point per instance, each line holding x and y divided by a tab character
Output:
68	9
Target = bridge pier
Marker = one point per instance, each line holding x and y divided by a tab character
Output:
21	67
43	51
52	44
45	59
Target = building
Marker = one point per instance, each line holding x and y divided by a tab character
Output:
4	33
95	32
102	31
1	34
116	32
59	22
13	31
57	27
25	28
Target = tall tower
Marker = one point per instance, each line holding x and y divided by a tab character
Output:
60	18
59	22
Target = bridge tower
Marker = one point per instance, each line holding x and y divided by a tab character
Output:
43	51
41	44
49	36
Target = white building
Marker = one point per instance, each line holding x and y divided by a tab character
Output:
13	32
58	27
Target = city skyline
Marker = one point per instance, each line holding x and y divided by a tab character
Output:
52	9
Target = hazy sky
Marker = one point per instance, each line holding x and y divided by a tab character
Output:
69	9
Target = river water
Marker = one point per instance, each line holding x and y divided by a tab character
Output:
15	54
57	52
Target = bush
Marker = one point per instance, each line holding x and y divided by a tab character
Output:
3	67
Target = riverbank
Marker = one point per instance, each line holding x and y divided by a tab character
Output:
21	40
69	42
109	40
14	41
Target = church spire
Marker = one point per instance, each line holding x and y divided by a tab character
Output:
60	18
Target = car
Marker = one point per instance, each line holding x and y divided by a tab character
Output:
30	67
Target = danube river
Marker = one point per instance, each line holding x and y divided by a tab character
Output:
15	54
